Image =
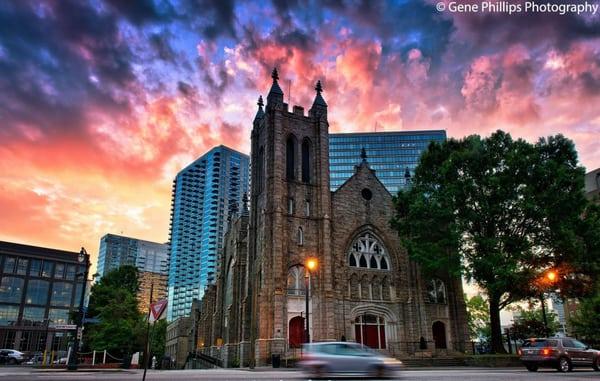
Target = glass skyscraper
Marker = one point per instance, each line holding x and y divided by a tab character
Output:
205	193
117	250
390	154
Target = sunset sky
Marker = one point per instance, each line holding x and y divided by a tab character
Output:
103	101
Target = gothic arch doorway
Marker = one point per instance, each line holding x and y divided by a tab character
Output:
439	335
296	332
370	330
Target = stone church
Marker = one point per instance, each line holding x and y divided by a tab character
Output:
364	288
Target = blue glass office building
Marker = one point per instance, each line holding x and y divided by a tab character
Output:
390	154
117	251
205	193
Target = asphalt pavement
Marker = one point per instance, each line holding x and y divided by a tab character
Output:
430	374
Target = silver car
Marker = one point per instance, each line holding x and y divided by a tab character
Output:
331	358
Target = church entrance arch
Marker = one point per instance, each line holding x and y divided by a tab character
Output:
369	330
439	335
296	332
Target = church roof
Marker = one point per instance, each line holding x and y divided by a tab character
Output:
362	169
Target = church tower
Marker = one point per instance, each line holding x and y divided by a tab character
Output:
290	211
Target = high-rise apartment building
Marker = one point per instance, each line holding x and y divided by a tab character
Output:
393	155
205	193
150	258
117	251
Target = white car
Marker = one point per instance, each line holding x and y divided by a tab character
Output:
333	358
12	356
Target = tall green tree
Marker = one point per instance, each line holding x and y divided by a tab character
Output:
500	211
158	335
586	320
478	318
113	301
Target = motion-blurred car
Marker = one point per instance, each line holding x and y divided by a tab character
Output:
332	358
10	356
562	353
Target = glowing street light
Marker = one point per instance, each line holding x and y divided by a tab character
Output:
550	277
309	266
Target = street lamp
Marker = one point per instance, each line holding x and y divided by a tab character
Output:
549	278
309	266
82	258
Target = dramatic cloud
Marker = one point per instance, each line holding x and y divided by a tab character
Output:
102	102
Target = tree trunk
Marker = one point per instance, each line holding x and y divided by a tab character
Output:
497	346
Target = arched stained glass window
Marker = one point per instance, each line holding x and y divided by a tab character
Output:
368	252
352	260
436	291
363	261
290	157
306	161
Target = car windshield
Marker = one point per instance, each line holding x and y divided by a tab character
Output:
540	343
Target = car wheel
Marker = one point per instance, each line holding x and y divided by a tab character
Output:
596	364
380	372
12	361
531	367
319	371
564	365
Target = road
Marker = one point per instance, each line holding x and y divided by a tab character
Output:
430	374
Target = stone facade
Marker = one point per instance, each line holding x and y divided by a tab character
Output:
177	341
365	288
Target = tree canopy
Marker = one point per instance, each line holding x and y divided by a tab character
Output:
529	323
501	212
478	318
113	300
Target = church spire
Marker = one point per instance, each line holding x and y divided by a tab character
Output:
363	154
319	106
275	94
319	101
260	113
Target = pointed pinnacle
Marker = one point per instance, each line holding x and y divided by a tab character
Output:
260	101
319	88
275	75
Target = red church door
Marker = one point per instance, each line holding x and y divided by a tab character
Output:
370	331
296	332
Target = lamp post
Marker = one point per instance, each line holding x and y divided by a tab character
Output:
549	278
82	258
310	265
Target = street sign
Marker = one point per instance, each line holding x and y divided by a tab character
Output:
156	309
63	326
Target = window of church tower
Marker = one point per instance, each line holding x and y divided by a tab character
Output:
295	281
307	208
300	237
290	156
306	161
260	169
436	291
290	205
366	194
368	252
